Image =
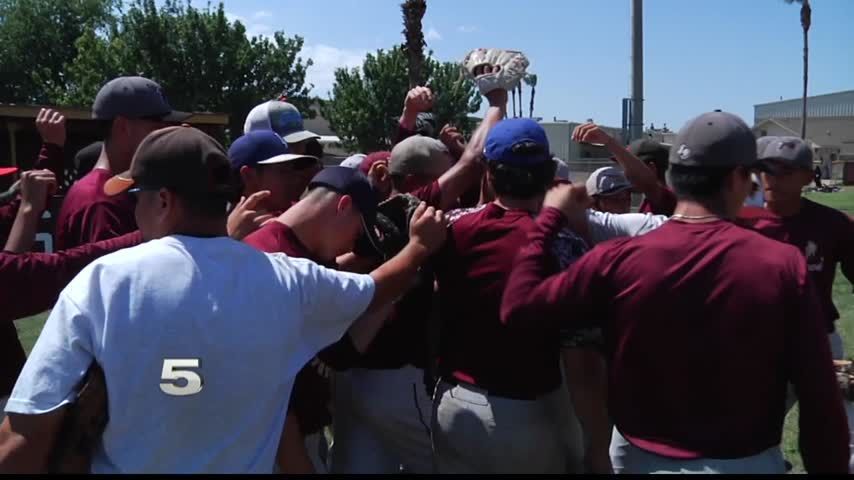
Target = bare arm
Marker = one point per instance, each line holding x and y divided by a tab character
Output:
467	172
36	186
27	440
587	379
419	99
638	174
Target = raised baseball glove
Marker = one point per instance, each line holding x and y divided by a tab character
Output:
83	425
391	229
512	66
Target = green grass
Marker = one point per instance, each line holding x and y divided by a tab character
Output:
29	328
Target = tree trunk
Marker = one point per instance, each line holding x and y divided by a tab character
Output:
413	12
521	110
513	91
806	74
531	110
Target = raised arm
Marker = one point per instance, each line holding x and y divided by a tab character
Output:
36	187
467	172
638	174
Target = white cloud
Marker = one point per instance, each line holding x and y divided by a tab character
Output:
468	28
326	60
262	14
432	35
235	18
258	30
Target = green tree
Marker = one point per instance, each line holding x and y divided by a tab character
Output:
39	38
365	102
203	61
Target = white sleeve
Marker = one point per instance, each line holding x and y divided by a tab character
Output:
59	360
605	226
330	300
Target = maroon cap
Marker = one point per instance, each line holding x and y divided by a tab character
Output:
373	158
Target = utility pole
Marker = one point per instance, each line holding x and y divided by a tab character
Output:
636	119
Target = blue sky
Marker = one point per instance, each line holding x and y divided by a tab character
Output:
698	55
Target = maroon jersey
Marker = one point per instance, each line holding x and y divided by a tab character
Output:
705	325
666	205
824	235
89	215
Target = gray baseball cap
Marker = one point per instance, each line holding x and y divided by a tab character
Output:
280	117
419	155
607	181
715	139
134	97
789	151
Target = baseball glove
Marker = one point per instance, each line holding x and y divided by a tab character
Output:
391	229
513	65
83	425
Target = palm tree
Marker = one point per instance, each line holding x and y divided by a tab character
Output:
806	20
521	110
413	12
531	81
513	91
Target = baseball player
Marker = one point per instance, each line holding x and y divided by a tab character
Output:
189	325
824	235
644	163
705	322
128	108
273	180
610	190
382	409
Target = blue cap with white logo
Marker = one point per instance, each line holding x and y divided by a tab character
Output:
518	142
261	147
280	117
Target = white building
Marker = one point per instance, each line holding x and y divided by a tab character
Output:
830	126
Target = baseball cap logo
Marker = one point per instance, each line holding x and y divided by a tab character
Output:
288	122
684	152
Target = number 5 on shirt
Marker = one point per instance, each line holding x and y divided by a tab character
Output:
175	369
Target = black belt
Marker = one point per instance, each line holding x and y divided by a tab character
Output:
498	392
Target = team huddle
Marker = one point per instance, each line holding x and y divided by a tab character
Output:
453	305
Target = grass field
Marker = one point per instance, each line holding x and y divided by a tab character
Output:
29	328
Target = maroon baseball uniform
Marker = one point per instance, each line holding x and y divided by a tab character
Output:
824	235
705	325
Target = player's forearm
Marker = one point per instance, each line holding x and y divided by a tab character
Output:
24	229
407	120
637	173
394	278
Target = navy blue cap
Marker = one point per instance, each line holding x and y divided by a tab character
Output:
260	147
519	142
352	182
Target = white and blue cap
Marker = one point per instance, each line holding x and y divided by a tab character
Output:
607	181
280	117
517	142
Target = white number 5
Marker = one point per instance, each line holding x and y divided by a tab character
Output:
172	371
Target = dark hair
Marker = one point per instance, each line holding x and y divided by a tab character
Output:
314	148
206	206
397	181
105	130
524	182
699	183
